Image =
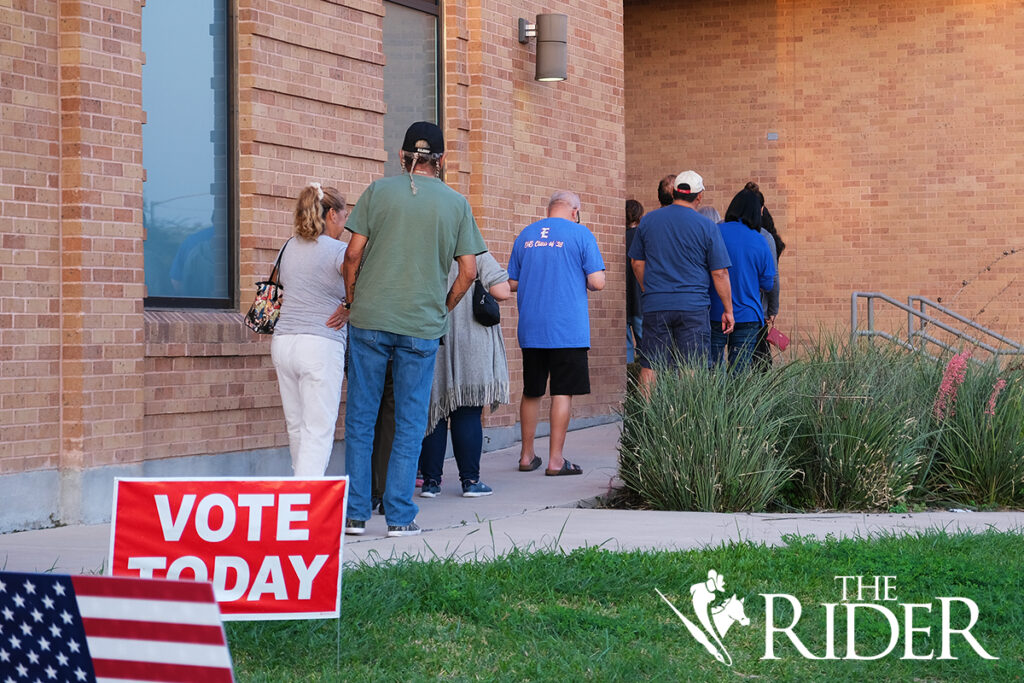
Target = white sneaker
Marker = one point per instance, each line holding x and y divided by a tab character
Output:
410	529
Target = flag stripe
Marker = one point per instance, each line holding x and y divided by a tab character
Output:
123	587
145	630
124	649
162	611
169	673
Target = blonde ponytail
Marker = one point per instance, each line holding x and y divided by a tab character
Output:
311	210
309	213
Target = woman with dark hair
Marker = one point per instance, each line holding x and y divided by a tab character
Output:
769	299
752	271
308	355
634	313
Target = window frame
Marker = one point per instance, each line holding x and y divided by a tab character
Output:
435	8
231	301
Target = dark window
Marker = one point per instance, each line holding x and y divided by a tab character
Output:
186	151
411	82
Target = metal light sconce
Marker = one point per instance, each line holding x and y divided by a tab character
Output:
552	34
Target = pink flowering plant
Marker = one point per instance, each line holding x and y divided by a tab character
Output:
952	378
979	454
863	426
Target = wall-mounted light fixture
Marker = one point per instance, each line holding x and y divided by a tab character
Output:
552	34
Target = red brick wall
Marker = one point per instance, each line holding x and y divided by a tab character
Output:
899	134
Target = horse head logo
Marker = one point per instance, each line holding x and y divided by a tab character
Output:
713	621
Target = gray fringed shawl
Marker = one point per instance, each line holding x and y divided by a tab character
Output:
471	369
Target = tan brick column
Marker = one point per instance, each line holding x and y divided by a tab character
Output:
102	285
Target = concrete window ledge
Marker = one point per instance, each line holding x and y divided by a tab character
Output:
200	333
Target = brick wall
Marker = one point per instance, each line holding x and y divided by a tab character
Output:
29	239
525	139
899	132
92	383
71	303
309	108
210	387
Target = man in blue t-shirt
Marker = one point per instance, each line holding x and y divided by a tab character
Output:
677	255
553	263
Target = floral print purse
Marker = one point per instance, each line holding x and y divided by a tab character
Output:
263	314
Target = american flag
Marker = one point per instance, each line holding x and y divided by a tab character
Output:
55	627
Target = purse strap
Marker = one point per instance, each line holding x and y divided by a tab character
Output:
277	263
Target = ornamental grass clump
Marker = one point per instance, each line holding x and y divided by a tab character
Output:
979	451
706	440
861	435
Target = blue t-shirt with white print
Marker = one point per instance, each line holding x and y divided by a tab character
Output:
551	260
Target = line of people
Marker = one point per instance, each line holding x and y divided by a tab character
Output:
700	286
394	295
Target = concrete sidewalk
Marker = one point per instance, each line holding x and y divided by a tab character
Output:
530	511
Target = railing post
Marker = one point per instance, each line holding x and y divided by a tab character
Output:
910	325
871	315
853	318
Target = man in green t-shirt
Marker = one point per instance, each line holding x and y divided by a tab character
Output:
406	231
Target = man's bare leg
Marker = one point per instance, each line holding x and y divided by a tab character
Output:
561	408
529	413
647	378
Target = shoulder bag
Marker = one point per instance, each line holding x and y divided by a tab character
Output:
263	314
485	309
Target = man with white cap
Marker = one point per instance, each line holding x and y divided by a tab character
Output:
677	256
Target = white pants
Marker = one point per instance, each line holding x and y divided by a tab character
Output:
309	371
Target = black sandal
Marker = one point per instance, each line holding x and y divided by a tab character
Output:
568	468
534	464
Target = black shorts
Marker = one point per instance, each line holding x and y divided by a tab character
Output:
570	373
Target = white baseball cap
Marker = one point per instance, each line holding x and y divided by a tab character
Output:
694	183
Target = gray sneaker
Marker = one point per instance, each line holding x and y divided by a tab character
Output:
475	489
430	489
355	527
410	529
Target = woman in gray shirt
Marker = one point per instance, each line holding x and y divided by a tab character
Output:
308	355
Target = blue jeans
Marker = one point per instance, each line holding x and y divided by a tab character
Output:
675	337
467	443
413	372
634	330
741	341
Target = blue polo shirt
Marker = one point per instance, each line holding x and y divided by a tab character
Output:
551	260
680	248
752	270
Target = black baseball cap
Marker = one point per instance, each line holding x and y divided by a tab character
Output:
424	137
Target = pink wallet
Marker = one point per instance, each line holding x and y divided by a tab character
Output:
777	338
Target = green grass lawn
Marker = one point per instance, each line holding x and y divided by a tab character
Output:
595	615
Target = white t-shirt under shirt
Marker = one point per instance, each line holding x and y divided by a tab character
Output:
313	286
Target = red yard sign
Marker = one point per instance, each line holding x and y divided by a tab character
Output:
271	547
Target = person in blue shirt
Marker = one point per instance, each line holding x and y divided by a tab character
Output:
752	271
554	263
677	255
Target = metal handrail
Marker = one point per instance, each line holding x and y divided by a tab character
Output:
924	302
922	317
